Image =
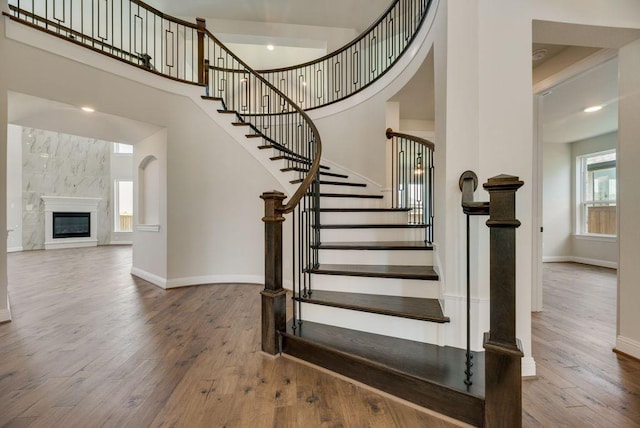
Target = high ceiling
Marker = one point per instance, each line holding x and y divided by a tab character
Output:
356	14
564	119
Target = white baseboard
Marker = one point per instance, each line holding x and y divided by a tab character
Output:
528	367
121	243
14	249
214	279
628	346
594	262
150	277
583	260
556	259
5	314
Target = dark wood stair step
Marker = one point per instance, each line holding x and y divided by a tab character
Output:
372	226
349	195
223	111
296	159
396	306
204	97
364	210
376	245
333	183
428	375
253	136
298	169
377	271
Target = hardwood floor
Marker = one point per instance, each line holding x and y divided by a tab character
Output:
581	382
90	345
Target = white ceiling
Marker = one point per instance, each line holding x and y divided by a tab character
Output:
564	119
34	112
356	14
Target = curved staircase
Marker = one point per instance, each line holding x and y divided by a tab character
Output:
365	298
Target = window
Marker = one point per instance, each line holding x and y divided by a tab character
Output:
598	193
123	197
122	148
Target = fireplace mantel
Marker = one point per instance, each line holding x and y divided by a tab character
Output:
69	204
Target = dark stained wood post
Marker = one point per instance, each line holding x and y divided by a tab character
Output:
503	351
273	296
202	25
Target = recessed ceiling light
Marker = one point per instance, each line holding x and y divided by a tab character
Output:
88	109
270	47
592	109
539	55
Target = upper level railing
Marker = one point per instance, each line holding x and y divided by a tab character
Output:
412	177
129	30
358	64
134	32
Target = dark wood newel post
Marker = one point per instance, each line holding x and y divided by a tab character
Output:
202	25
273	296
503	351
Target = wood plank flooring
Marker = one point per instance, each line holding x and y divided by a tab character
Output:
581	382
90	346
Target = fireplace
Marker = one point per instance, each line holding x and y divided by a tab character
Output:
71	225
70	222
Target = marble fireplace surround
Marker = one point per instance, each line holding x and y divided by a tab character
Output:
69	204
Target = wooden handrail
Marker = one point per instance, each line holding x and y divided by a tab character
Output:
391	134
468	184
315	162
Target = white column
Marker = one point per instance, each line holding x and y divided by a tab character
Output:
628	339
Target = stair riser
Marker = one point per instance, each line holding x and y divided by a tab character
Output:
334	188
382	286
351	202
377	257
404	328
364	217
360	235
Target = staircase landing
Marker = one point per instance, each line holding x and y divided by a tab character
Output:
428	375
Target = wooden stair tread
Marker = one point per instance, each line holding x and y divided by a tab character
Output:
373	226
204	97
404	307
364	210
329	174
376	245
333	183
428	375
349	195
295	159
377	271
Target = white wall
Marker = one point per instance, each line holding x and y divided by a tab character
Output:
213	226
557	202
14	188
5	312
628	340
150	243
121	169
600	251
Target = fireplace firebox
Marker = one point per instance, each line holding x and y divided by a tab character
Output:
71	225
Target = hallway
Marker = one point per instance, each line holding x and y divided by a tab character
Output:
581	382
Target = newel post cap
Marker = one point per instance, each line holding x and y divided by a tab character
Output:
503	182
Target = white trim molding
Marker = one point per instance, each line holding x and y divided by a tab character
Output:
528	367
154	279
628	346
14	249
5	314
214	279
148	227
582	260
